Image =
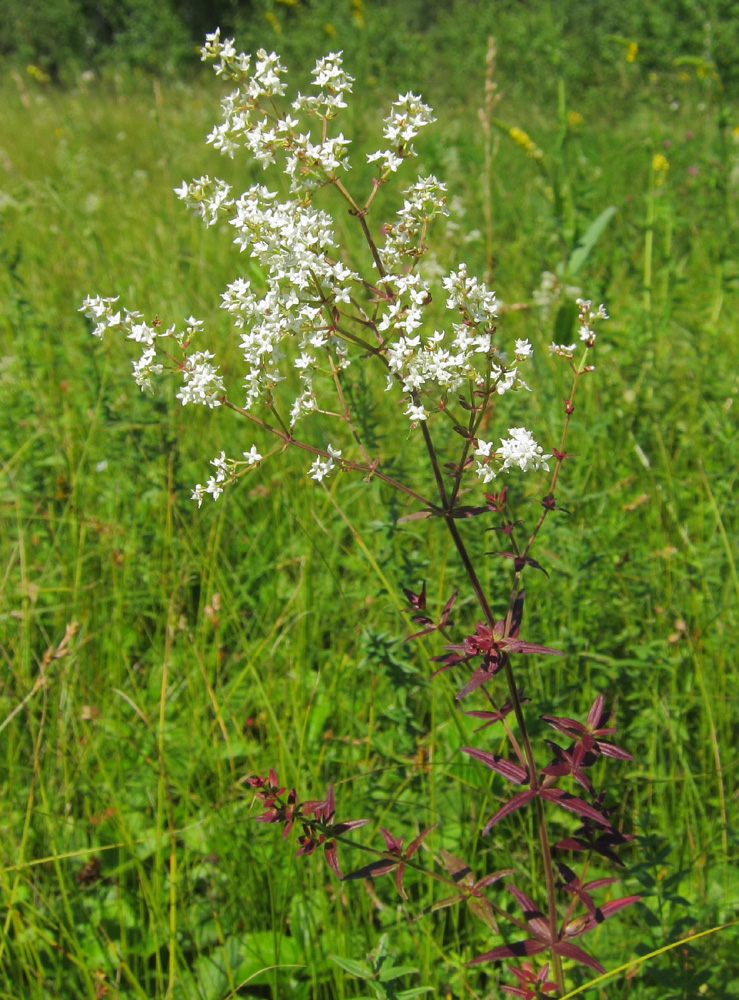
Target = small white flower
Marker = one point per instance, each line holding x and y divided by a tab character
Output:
522	451
416	412
523	350
321	468
486	472
587	336
215	487
252	456
563	350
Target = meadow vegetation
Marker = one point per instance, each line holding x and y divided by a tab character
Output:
155	655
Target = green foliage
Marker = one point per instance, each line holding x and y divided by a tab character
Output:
129	742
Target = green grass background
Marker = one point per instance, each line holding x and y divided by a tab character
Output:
133	747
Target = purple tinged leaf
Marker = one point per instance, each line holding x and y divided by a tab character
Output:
394	844
571	802
481	908
517	613
604	911
332	858
570	727
350	824
518	646
481	676
458	869
419	515
442	904
372	870
598	883
611	750
399	881
595	713
449	605
416	600
311	806
493	877
519	799
529	907
520	561
513	772
517	950
568	950
414	844
465	511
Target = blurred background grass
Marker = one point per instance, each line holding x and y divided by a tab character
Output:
211	645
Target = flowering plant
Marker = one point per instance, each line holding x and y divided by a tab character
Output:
312	318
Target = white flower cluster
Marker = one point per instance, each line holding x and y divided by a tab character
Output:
520	450
291	241
246	123
203	383
323	467
309	315
445	361
405	240
329	74
227	471
408	116
587	320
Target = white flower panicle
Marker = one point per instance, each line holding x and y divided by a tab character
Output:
304	315
208	199
405	239
408	116
335	83
228	470
203	382
323	467
587	320
520	451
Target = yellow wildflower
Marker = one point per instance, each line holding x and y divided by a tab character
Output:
574	118
524	140
632	52
358	13
38	74
660	166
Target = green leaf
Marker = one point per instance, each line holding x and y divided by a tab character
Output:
415	991
388	973
564	323
357	969
582	251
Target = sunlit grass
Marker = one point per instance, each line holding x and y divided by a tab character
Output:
133	747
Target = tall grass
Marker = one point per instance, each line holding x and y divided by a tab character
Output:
155	657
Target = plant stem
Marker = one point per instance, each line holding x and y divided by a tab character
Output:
515	699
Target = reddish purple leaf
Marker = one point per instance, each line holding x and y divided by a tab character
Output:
611	750
513	772
519	799
516	950
331	856
571	802
572	951
414	844
493	877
